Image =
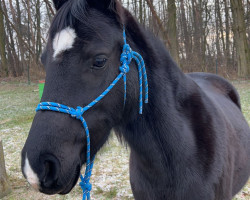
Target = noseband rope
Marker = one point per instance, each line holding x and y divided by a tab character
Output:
126	58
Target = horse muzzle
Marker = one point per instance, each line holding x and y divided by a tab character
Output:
45	175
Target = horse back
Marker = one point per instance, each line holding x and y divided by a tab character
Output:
218	84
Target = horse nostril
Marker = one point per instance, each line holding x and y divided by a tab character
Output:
51	171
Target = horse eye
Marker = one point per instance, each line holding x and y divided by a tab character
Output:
100	61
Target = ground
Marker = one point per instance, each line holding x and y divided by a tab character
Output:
110	174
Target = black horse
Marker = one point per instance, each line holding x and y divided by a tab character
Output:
191	142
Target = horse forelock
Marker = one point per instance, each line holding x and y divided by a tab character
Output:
78	10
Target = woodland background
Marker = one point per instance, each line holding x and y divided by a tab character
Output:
201	35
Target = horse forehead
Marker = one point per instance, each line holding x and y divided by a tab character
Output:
63	40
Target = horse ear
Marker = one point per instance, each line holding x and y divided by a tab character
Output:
102	4
58	3
109	6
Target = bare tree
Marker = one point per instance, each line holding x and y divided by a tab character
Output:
4	64
159	22
172	30
197	33
239	30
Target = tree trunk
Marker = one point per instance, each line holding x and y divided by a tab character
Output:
248	20
14	65
240	38
159	22
38	32
17	23
140	12
172	30
11	62
4	63
48	5
4	185
204	30
219	55
227	53
197	34
221	26
186	34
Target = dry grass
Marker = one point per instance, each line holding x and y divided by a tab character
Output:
110	175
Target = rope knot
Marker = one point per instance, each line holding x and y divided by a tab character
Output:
126	55
124	68
86	186
77	113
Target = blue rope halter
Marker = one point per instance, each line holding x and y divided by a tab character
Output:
126	58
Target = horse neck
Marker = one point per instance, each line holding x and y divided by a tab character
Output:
157	134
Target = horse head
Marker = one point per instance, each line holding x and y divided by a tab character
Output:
81	58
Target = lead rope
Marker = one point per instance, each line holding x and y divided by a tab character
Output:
126	58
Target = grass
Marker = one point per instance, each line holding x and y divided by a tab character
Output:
110	174
111	194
